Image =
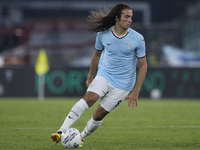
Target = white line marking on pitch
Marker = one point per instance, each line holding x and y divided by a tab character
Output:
153	127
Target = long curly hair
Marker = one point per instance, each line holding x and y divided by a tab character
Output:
103	19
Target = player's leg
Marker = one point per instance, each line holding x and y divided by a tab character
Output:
101	87
94	122
97	89
111	101
94	92
77	110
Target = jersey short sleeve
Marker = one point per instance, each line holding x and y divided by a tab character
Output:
140	52
98	43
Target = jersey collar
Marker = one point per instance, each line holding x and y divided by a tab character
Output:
118	36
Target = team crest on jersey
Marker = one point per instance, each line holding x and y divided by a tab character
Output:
129	44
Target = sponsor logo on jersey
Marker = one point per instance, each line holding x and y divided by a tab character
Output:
108	44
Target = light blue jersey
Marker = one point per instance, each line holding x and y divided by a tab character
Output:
118	59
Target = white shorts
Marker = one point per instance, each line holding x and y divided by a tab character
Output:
113	96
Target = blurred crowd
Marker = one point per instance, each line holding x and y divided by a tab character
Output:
67	41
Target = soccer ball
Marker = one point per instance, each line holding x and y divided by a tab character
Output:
71	138
156	94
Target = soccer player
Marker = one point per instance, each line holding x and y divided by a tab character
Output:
117	49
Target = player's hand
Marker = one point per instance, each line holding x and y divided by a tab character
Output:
133	99
89	81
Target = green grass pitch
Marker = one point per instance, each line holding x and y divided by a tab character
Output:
26	123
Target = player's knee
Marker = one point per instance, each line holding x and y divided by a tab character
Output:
99	114
91	98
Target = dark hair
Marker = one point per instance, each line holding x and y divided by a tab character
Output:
102	20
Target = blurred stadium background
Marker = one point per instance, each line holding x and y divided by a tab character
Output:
171	29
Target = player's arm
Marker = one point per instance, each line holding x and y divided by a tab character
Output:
133	96
93	67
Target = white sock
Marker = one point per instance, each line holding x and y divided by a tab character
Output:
75	113
91	126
